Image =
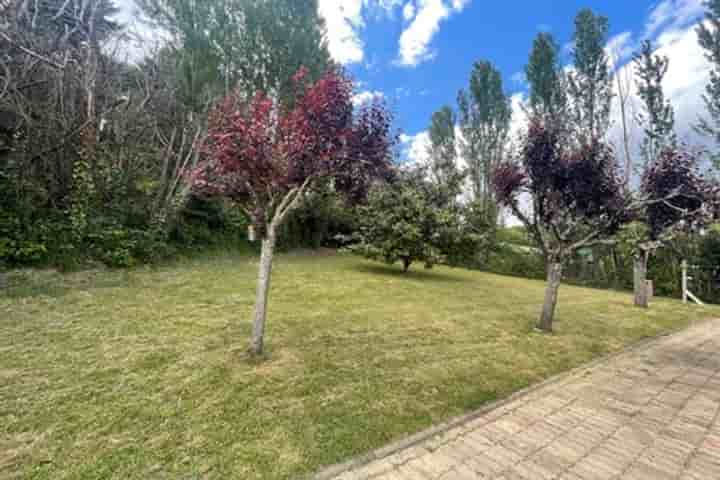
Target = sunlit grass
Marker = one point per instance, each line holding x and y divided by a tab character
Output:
135	375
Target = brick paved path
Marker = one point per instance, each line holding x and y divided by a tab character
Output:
651	413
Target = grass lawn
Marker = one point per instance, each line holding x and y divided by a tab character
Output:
133	375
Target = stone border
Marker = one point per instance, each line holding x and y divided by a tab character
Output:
362	460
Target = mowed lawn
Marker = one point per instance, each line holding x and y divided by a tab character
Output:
141	374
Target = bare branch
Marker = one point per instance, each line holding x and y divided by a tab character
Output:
43	58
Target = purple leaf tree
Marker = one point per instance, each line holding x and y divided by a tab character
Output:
575	195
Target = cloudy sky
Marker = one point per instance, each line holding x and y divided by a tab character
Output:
417	54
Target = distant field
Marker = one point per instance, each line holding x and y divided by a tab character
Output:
138	375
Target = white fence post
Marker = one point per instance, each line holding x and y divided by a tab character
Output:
685	292
684	281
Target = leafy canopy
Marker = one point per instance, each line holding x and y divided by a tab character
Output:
257	152
414	220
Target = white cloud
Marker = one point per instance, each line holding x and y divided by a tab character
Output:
684	85
388	5
416	38
518	103
367	96
673	14
415	148
459	5
344	22
409	11
620	47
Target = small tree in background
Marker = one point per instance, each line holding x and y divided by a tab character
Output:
576	198
414	220
266	157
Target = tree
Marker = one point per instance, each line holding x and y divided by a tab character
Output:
658	116
442	149
254	45
676	199
548	96
576	194
412	219
590	81
266	156
658	122
709	38
485	115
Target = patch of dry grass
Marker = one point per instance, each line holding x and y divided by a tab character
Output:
134	375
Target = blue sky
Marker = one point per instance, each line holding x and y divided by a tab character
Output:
417	54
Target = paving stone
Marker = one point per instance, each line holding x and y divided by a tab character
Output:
647	414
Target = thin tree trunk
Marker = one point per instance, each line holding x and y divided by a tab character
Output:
640	280
263	289
406	264
554	275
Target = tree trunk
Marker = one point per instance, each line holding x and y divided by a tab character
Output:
554	275
640	280
263	289
406	264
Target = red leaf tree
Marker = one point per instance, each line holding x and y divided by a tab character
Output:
266	157
576	199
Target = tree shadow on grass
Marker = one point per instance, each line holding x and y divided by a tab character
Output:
429	275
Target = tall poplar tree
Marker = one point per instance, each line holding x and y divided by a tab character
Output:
590	82
485	114
657	116
548	98
709	38
442	150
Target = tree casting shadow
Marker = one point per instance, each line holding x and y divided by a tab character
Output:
418	274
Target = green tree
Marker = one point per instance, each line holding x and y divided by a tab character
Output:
485	115
657	117
442	150
548	97
414	220
590	82
255	45
709	37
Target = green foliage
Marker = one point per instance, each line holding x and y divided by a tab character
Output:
516	261
253	45
413	220
548	96
590	83
658	116
443	145
515	236
485	114
94	156
322	220
709	39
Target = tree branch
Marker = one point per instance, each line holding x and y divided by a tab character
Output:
45	59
